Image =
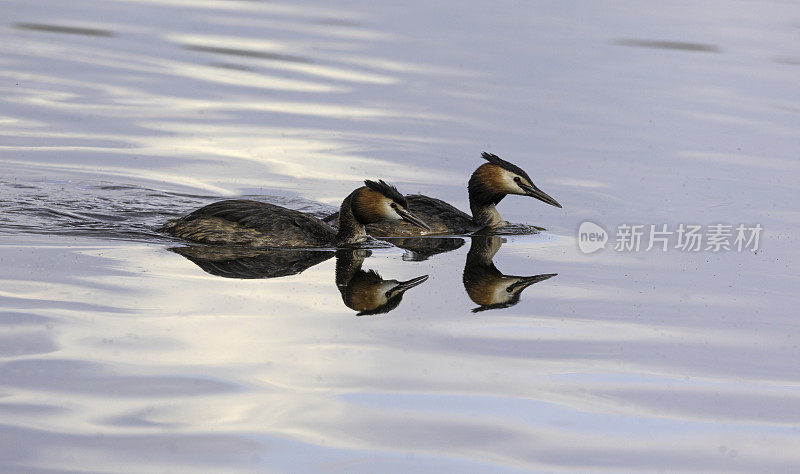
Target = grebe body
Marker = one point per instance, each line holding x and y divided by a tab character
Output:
258	224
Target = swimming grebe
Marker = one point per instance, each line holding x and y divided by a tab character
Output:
485	284
258	224
487	186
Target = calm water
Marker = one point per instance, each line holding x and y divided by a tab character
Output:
123	350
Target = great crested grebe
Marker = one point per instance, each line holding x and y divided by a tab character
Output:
258	224
487	186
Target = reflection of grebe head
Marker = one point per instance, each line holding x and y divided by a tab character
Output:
378	201
369	294
485	284
492	181
500	291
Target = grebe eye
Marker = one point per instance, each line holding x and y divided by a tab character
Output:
517	179
394	206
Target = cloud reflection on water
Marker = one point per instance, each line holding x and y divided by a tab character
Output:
290	365
143	84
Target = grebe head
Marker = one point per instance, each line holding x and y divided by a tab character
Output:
496	291
378	201
494	180
370	294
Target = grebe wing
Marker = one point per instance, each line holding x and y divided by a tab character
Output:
426	208
262	216
422	205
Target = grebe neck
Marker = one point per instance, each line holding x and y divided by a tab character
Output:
486	215
483	198
350	230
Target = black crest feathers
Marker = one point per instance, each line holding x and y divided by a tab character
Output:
387	190
497	161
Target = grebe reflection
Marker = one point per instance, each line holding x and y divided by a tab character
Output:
362	290
485	284
366	291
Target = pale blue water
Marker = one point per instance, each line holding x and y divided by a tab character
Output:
118	355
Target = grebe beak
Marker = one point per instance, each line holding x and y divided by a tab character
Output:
533	191
411	218
407	285
528	281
